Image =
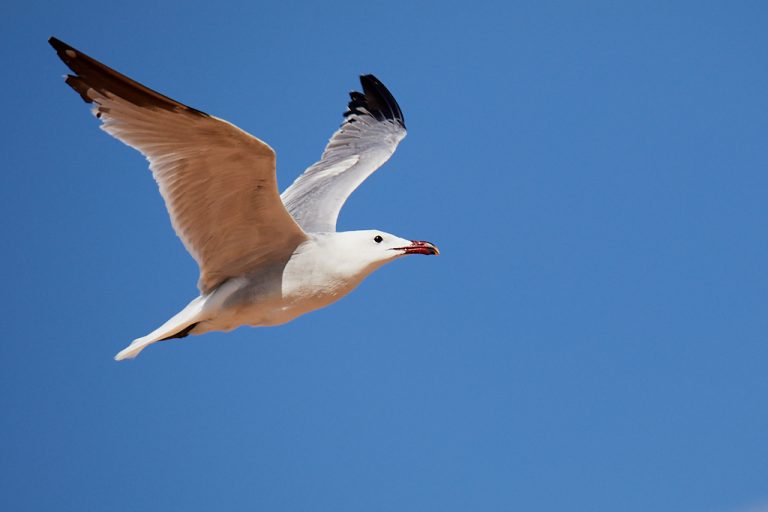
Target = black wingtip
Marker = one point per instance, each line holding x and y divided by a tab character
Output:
92	74
57	43
65	52
376	100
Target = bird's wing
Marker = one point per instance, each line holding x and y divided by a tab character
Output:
373	128
218	182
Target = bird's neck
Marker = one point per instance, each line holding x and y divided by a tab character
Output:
323	261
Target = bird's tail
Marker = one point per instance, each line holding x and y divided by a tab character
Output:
178	326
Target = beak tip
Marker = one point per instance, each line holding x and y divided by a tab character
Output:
421	247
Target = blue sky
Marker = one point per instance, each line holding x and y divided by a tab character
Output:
593	336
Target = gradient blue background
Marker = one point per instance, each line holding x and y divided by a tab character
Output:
592	338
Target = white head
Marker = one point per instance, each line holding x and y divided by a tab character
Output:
364	251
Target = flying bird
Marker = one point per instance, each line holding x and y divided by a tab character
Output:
264	258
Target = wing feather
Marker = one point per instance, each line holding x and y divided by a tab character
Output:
218	182
369	135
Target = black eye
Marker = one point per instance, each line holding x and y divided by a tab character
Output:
377	239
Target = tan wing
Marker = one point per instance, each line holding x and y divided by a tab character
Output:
218	182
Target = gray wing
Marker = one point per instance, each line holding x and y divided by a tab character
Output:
373	128
218	182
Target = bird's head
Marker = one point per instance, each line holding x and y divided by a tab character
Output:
373	248
386	246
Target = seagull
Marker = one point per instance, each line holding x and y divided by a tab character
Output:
264	258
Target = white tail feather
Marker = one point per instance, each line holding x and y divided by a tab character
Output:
181	320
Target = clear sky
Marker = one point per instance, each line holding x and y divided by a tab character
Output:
593	336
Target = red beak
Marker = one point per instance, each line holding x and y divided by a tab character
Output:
419	247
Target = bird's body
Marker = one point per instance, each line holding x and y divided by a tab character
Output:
311	279
264	259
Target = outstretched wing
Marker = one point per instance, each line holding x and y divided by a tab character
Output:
218	182
373	128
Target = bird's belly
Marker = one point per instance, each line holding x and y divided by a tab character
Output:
292	305
243	307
